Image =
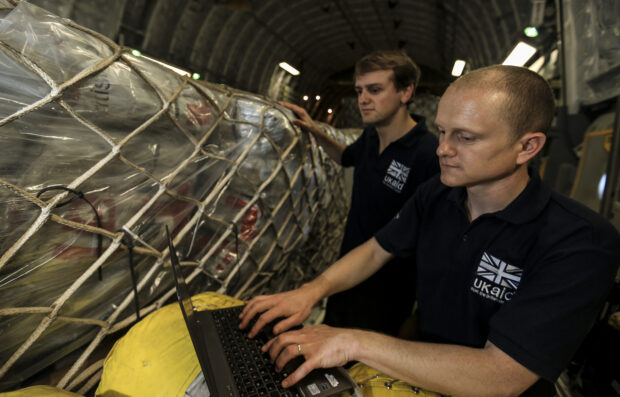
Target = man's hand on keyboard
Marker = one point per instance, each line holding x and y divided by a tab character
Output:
294	306
321	346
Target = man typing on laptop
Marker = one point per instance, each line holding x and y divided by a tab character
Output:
511	276
233	365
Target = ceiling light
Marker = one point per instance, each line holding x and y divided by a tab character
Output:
318	97
531	31
458	67
289	68
305	97
330	111
520	54
538	64
553	58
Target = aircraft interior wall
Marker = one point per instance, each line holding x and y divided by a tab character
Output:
244	191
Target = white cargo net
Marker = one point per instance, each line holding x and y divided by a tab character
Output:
99	151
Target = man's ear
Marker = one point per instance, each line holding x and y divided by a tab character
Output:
531	144
406	94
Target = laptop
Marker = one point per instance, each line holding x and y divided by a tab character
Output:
232	363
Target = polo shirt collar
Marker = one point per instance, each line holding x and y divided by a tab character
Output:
529	203
526	207
457	196
411	137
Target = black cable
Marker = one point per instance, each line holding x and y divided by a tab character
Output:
129	244
236	241
77	194
238	274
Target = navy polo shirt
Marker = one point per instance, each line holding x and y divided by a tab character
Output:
530	278
382	183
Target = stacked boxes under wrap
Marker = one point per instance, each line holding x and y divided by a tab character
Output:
253	204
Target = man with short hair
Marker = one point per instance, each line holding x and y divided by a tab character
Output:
511	276
393	156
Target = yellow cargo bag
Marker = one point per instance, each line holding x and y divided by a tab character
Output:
156	356
40	391
373	383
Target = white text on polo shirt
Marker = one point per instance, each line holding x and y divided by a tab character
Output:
495	279
396	176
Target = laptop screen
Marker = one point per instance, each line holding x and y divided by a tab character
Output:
185	298
187	308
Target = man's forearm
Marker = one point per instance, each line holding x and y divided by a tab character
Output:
447	369
351	269
332	147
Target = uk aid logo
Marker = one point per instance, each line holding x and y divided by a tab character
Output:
495	279
396	176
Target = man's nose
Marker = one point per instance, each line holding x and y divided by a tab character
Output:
363	97
444	148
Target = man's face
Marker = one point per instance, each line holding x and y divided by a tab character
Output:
476	147
377	98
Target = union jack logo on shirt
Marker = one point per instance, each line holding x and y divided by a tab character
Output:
499	272
398	171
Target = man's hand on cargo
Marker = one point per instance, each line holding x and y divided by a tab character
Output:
295	305
320	345
333	148
303	119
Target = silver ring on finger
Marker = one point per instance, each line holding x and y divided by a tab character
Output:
299	348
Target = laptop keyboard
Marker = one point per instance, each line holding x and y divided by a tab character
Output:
254	374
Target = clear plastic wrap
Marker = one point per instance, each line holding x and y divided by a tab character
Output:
592	45
93	167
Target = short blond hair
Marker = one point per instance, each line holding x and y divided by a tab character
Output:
529	105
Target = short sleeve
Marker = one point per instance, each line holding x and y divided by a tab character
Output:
399	237
556	305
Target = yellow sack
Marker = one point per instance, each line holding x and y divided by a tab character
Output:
40	391
373	383
156	357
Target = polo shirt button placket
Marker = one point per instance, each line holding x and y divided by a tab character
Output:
465	238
